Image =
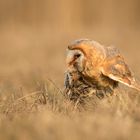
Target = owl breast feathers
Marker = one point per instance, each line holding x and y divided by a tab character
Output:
93	69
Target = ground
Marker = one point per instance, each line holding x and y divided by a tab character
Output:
32	106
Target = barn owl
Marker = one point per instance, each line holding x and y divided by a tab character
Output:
93	69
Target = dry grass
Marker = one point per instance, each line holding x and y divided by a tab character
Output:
33	39
46	114
33	107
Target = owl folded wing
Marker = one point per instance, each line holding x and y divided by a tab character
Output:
115	68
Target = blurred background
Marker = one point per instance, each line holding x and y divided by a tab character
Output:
35	34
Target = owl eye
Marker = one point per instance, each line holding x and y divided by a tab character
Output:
77	55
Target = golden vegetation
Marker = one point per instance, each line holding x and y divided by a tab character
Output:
33	39
45	114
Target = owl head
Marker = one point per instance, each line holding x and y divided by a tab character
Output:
84	55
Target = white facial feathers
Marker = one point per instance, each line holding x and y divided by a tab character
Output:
75	60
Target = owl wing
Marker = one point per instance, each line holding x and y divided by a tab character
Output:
115	68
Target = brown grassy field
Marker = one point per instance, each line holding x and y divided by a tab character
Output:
33	40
